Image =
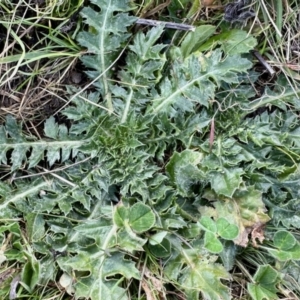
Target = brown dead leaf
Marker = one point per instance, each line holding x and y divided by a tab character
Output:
147	290
243	239
152	286
207	2
257	233
6	274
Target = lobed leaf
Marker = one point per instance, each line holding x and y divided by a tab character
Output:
105	40
266	278
195	81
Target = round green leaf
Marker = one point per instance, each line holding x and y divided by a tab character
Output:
211	243
161	250
226	230
280	255
284	240
141	217
120	215
208	224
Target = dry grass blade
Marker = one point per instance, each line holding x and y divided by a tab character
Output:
32	84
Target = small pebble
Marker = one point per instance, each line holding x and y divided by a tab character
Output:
76	77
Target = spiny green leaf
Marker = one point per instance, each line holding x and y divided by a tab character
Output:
129	241
96	285
21	147
117	264
142	71
286	213
196	80
15	197
205	277
109	290
108	34
143	45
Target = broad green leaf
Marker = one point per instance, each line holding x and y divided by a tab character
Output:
291	270
211	243
35	226
227	230
96	286
183	169
228	254
31	272
245	209
173	268
157	237
259	292
117	264
3	258
12	227
194	40
280	255
295	252
51	128
48	270
234	41
227	182
266	278
161	250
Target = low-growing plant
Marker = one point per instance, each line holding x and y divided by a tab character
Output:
163	180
